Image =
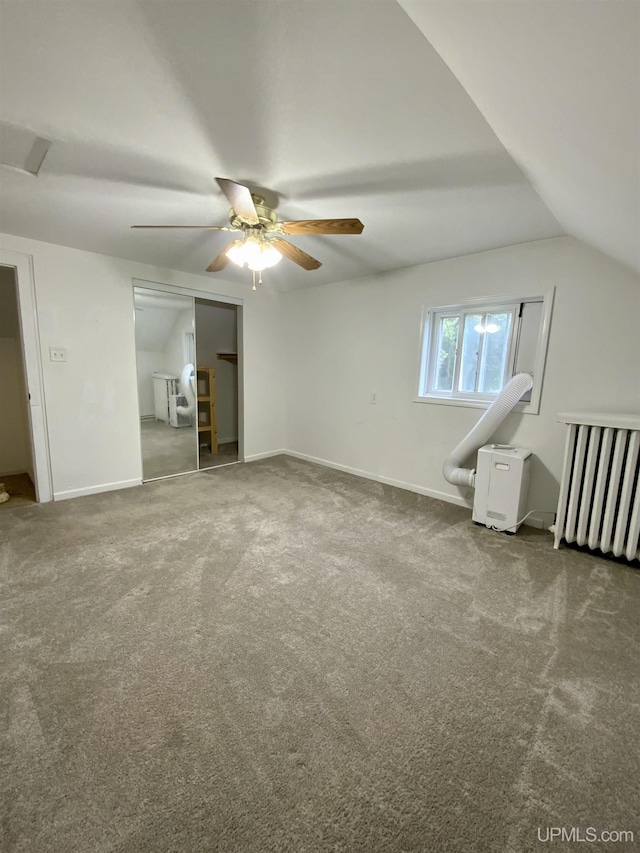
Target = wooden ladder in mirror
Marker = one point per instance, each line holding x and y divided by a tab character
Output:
207	419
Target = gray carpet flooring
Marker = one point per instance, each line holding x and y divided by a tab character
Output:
227	453
167	450
282	657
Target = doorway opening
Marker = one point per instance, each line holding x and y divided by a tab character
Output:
17	477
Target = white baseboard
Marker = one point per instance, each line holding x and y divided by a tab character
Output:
531	521
540	521
15	471
267	455
94	490
388	481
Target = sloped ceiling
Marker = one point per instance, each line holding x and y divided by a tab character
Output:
336	108
156	315
559	83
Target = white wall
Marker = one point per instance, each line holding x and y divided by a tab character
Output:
174	351
15	446
85	304
216	325
349	339
147	363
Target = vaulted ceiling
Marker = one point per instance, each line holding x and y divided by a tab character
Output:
559	83
332	108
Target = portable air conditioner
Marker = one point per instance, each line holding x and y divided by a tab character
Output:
501	484
164	386
176	419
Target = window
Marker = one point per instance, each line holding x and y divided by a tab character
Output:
471	350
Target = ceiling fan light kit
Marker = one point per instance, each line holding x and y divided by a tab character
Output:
257	250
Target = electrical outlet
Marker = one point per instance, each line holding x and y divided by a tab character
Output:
57	354
373	399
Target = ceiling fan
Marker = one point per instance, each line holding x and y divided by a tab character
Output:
262	246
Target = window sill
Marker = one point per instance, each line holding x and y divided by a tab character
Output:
525	408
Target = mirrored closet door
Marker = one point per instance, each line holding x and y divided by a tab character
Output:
165	360
187	365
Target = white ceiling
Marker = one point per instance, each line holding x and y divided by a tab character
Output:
333	108
559	82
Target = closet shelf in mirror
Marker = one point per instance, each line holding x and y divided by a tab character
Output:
231	357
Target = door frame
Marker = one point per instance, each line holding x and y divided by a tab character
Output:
22	265
210	297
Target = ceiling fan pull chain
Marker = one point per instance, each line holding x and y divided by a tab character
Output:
260	277
254	280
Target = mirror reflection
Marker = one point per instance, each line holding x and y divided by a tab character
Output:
165	359
217	382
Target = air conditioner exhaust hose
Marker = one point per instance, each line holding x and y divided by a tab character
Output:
484	429
187	387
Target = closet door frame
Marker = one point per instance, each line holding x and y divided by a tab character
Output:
209	297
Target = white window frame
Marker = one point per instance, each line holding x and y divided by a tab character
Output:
428	342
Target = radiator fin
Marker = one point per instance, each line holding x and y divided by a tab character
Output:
599	503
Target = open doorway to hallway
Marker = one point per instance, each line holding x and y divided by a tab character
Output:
16	458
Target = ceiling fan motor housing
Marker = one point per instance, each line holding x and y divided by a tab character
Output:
266	216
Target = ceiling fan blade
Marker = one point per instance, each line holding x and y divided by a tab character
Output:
208	227
239	197
295	254
323	226
222	260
